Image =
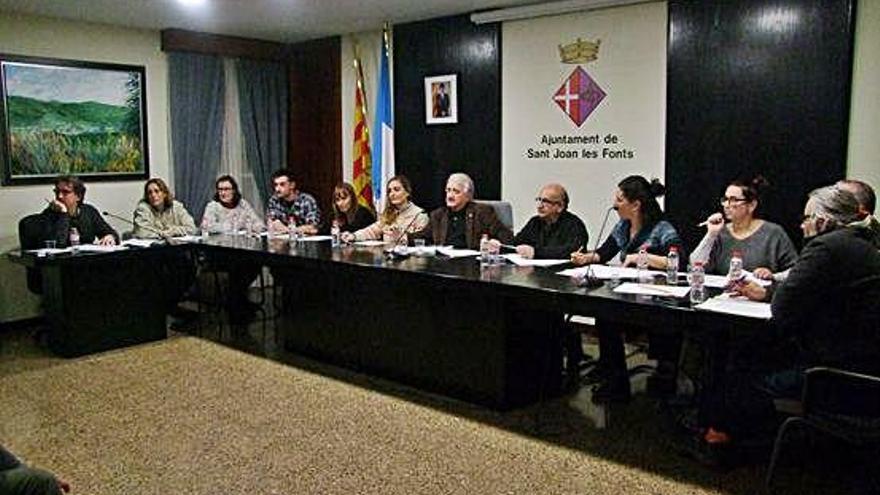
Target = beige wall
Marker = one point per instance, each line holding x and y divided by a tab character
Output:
39	36
630	69
864	132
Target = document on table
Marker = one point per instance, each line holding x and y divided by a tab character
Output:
141	243
456	253
652	290
190	239
316	238
50	251
720	281
604	272
98	248
737	305
518	260
369	243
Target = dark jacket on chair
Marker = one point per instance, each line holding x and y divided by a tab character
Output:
833	321
479	219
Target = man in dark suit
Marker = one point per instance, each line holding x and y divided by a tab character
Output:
461	223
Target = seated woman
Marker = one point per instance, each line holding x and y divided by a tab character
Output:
641	223
348	214
764	246
158	215
813	320
400	218
228	211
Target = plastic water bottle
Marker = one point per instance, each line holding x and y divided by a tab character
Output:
334	234
485	255
697	278
736	267
644	276
672	266
74	239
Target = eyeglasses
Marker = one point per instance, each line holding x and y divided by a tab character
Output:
806	218
63	192
225	189
546	201
726	200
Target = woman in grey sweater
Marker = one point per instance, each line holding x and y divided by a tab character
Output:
764	246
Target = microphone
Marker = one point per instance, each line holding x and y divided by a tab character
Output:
391	253
131	222
591	280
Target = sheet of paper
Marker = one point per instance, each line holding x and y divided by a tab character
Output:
720	281
456	253
315	238
725	303
369	243
603	272
142	243
193	239
97	248
652	290
520	261
49	251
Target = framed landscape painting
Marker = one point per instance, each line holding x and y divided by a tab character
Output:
71	117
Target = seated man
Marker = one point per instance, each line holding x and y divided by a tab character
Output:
461	223
867	201
555	232
67	211
811	322
290	208
18	479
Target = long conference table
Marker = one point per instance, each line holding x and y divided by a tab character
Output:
488	335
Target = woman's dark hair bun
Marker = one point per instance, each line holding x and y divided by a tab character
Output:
759	183
657	188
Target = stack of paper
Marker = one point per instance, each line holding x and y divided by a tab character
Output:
456	253
520	261
737	305
652	290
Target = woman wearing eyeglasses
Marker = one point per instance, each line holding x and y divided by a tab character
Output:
229	212
764	246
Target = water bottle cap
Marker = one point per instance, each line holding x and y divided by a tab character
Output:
673	249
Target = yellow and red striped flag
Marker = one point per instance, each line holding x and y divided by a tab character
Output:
362	167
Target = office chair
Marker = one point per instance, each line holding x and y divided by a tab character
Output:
841	403
502	209
33	230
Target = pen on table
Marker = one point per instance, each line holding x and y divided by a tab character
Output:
508	246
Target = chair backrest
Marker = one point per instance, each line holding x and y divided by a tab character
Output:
502	209
861	319
33	231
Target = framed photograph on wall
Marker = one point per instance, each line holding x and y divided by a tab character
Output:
71	117
441	99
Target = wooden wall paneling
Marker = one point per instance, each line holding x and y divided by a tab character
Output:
755	86
180	40
427	154
315	141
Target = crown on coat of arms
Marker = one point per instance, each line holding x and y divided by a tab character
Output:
579	51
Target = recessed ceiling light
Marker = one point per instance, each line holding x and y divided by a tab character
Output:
192	3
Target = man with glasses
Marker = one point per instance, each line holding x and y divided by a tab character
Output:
554	232
462	222
67	211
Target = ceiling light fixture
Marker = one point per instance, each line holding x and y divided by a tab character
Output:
192	3
551	8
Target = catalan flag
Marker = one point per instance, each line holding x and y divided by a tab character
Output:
362	166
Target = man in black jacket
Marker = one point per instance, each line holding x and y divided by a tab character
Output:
68	211
813	311
555	232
